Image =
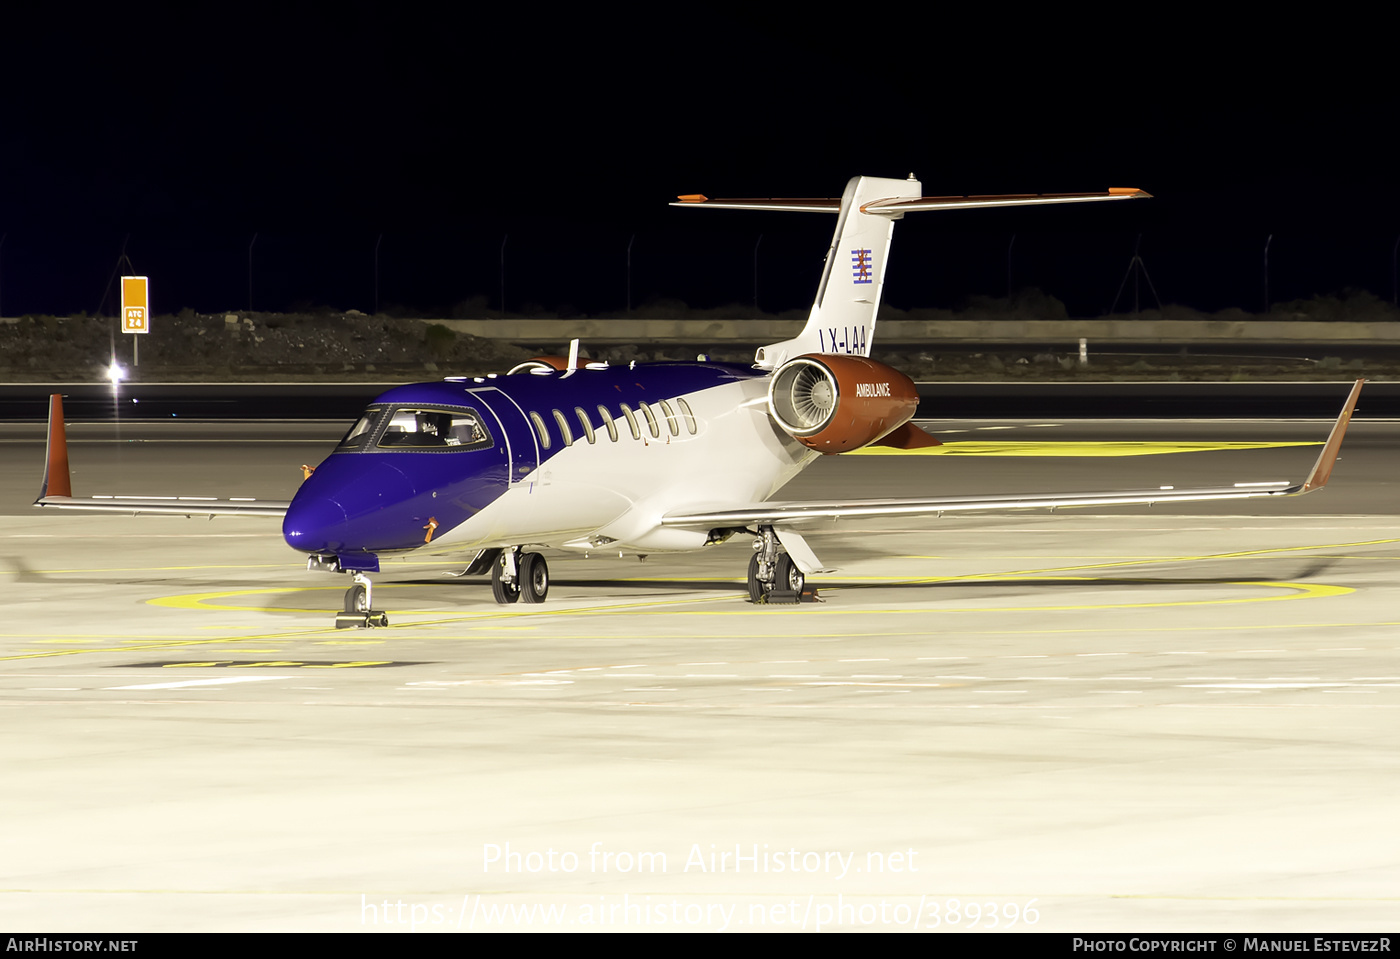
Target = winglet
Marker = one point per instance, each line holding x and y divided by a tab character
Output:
56	480
1322	469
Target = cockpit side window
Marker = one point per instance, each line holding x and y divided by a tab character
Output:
423	430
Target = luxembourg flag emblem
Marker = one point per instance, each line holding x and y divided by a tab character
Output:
862	269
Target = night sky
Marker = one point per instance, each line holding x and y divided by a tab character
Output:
440	133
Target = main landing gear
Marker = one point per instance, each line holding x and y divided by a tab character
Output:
773	576
358	613
517	575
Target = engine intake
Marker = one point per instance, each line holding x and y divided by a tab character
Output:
834	403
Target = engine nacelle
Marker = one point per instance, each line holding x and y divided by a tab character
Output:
834	403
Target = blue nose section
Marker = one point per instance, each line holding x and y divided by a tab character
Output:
314	524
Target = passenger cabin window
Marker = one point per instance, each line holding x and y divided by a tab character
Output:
540	429
631	421
608	422
651	420
564	428
587	426
673	424
690	423
417	429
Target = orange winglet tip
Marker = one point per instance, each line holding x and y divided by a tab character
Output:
56	478
693	198
1322	469
1127	191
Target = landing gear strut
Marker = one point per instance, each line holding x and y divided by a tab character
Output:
358	613
773	576
517	575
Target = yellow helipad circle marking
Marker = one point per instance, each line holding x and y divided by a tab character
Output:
200	600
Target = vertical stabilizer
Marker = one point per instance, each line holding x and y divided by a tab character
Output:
843	317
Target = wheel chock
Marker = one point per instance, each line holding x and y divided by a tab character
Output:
788	597
361	620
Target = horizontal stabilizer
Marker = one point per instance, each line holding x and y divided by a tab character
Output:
777	204
897	205
894	206
848	297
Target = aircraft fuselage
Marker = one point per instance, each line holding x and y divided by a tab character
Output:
574	459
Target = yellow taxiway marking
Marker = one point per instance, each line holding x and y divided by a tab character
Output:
853	634
1081	448
129	645
1238	554
502	618
204	601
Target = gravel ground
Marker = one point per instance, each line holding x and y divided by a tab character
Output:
331	346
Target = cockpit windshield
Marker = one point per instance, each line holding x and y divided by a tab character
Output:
359	433
416	429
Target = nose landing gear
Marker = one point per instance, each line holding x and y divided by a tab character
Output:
358	613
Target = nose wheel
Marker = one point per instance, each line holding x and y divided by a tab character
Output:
358	613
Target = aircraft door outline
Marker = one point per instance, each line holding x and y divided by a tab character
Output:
523	461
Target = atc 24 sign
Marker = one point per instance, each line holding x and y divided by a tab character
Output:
136	307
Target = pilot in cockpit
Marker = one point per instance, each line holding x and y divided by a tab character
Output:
432	429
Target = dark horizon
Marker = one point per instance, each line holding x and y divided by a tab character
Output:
567	140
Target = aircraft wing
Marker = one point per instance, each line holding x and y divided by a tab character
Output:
780	514
56	491
174	505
